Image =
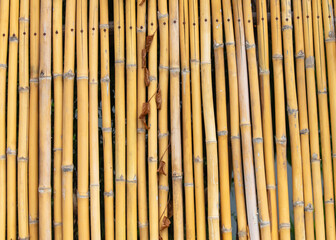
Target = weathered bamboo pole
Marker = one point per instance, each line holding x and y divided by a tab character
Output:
266	110
45	229
245	124
292	109
313	121
175	125
234	120
197	120
324	127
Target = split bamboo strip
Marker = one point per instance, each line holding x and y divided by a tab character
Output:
33	119
257	133
197	120
313	122
45	229
209	121
245	124
119	60
324	124
292	109
163	133
12	119
106	121
186	121
67	128
131	83
266	110
175	125
280	122
93	120
234	120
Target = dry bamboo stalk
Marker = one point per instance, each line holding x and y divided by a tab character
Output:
186	121
119	60
45	229
234	120
292	109
266	109
163	133
324	125
93	119
197	120
175	125
67	128
313	120
245	124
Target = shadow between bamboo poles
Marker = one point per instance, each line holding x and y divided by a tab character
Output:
4	17
280	122
175	125
324	120
197	120
313	118
222	130
266	110
106	120
163	134
245	123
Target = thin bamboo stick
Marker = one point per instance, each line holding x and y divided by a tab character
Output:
234	120
45	230
324	125
106	121
175	125
313	121
197	120
12	119
292	109
245	124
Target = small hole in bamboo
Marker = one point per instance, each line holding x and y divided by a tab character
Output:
277	18
299	17
228	19
130	27
205	20
3	35
35	34
262	19
93	29
216	20
164	23
119	27
71	29
194	24
104	30
56	32
24	33
44	34
249	21
82	31
174	21
286	19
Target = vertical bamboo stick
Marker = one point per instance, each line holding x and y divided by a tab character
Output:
234	120
324	125
106	120
175	125
12	119
313	120
93	128
245	124
45	229
292	109
67	128
197	120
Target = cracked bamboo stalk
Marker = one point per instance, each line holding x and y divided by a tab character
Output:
324	128
106	121
313	119
175	124
292	110
234	120
45	228
245	124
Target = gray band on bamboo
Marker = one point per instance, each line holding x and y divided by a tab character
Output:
226	230
185	71
102	26
322	92
213	217
83	196
22	159
44	78
249	46
292	111
93	82
333	155
164	188
300	55
3	66
57	149
222	133
230	43
121	179
34	80
194	61
67	168
23	19
242	234
23	89
263	223
309	208
257	140
69	75
284	226
245	125
105	79
33	221
162	135
198	160
177	176
109	194
141	30
218	45
264	71
206	63
282	140
94	185
161	67
13	39
141	130
11	152
151	159
235	137
57	224
82	78
160	15
107	129
152	78
25	238
119	61
132	181
330	201
327	40
304	131
287	27
44	190
131	65
210	141
270	187
2	157
310	62
277	57
174	70
142	225
298	204
189	184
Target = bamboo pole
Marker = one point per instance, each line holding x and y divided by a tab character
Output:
245	123
12	119
324	126
186	121
197	120
313	121
67	128
44	189
119	60
175	125
106	121
292	109
93	119
234	120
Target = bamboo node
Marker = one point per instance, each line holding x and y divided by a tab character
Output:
11	152
226	230
270	187
235	137
34	80
230	43
143	29
152	78
298	204
122	61
94	185
304	131
13	39
105	79
177	176
194	61
284	226
327	40
333	155
69	75
142	225
257	140
245	124
109	194
107	129
185	71
300	55
22	159
67	168
174	70
160	15
249	46
3	66
25	238
189	184
164	188
310	62
282	140
277	56
141	130
330	201
198	159
41	77
218	45
33	221
263	223
104	26
210	141
242	234
162	135
55	75
57	149
264	71
82	78
206	63
287	27
23	19
57	224
121	179
292	111
324	91
213	218
131	65
83	196
161	67
222	133
2	157
309	208
24	89
151	159
44	190
132	180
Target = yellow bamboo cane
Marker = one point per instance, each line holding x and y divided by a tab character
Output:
45	230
